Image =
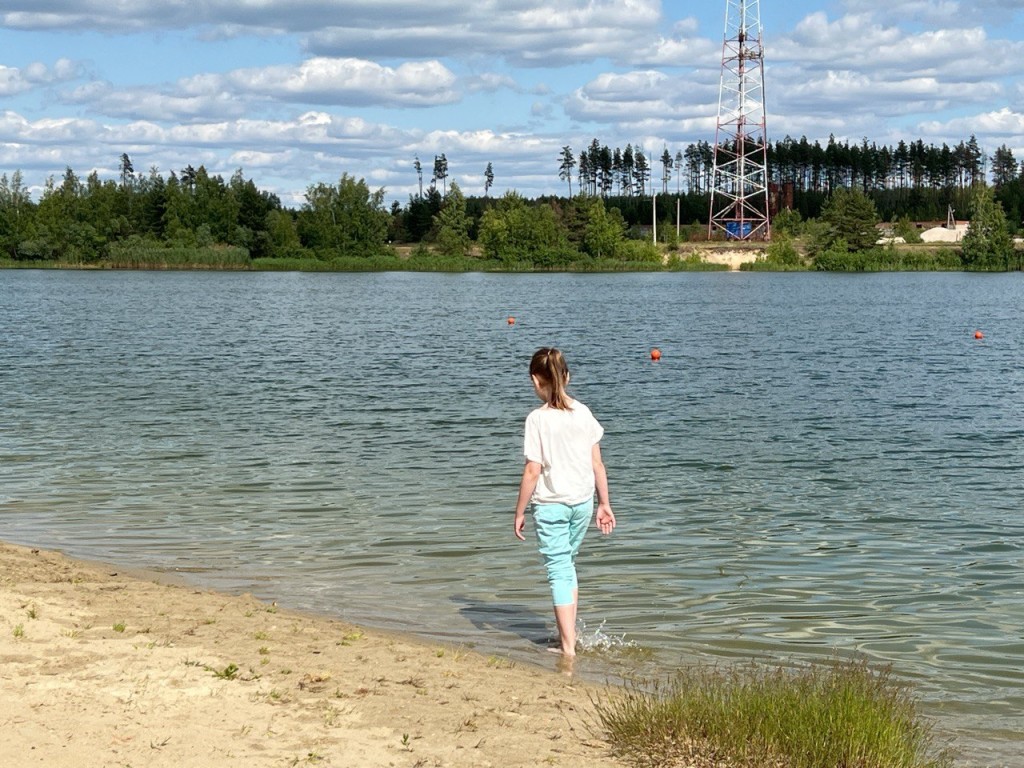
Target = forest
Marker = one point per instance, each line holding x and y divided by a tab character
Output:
192	218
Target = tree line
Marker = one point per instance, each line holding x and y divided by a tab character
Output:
909	178
807	166
139	218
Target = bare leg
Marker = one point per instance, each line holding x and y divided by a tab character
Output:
565	618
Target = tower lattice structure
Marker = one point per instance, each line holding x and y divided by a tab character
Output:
739	195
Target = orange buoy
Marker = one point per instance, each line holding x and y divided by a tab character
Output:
655	354
511	321
979	335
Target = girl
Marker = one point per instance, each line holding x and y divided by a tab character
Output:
563	469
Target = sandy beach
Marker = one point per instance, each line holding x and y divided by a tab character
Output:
100	667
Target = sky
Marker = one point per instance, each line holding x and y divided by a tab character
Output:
298	92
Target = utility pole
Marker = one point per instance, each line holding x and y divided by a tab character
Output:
654	217
739	194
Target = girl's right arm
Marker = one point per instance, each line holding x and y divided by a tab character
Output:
604	518
531	473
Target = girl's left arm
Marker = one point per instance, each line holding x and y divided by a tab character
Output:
531	473
604	518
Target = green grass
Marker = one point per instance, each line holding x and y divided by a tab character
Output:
134	256
845	715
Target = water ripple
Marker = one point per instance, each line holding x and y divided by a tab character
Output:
819	465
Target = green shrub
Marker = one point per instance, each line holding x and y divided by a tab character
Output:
642	251
781	255
887	259
137	253
787	222
845	714
693	262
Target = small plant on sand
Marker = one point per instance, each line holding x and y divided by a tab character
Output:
120	626
230	672
405	742
32	613
332	715
311	757
844	714
261	636
351	637
19	631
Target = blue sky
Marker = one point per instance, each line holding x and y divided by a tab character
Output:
296	92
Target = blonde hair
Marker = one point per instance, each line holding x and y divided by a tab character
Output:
549	366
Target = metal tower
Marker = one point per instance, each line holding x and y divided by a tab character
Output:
739	194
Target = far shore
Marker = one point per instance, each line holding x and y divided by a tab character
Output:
102	667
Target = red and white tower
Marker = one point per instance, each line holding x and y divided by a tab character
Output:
739	194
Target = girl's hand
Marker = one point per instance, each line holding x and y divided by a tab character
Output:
519	525
605	518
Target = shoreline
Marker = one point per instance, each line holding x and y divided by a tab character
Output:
103	665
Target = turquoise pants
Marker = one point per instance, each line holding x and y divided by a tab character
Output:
560	530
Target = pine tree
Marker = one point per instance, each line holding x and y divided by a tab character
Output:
452	224
987	244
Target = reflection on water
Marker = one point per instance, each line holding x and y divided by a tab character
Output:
819	465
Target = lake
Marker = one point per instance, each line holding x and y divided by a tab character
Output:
820	466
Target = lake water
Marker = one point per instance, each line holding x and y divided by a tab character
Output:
819	466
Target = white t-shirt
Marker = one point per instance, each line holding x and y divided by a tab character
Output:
562	441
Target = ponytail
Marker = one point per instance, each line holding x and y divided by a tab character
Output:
549	366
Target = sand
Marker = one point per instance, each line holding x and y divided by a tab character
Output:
99	667
733	259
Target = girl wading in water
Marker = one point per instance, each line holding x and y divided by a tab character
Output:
563	470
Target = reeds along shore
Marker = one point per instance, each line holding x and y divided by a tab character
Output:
102	668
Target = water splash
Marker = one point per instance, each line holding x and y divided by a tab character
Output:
600	640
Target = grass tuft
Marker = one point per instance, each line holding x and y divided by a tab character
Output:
843	714
230	672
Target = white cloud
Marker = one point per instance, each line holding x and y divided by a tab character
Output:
14	80
928	11
859	42
528	32
1000	123
937	12
490	82
854	92
247	158
320	81
349	82
635	96
531	34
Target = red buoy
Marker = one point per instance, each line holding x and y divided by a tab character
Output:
655	354
511	321
979	335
